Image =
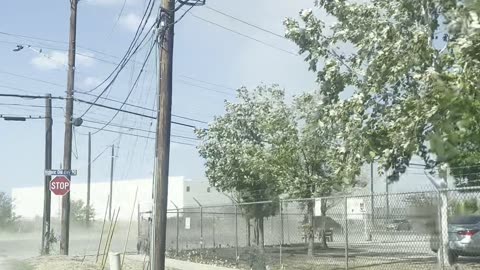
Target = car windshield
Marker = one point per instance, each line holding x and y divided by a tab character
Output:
465	220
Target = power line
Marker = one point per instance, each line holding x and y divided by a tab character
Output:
14	88
100	154
134	135
204	88
26	96
245	22
31	78
54	41
203	81
81	91
95	104
28	105
130	112
135	128
93	95
244	35
129	93
129	53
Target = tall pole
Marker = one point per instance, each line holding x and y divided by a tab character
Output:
387	200
111	183
372	207
89	175
163	133
48	166
372	199
67	147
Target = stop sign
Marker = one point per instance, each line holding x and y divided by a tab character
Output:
60	185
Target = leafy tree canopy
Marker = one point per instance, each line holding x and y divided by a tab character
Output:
414	71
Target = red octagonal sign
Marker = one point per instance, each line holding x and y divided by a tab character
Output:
60	185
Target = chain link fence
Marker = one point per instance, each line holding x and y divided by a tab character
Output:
416	230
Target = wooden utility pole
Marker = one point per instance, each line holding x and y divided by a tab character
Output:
111	183
89	175
48	165
67	147
164	114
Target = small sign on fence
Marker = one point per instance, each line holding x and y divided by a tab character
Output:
187	223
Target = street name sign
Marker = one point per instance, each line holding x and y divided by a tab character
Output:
61	172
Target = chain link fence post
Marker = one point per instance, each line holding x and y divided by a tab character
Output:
346	230
201	227
213	230
201	222
281	233
177	225
281	225
236	234
444	228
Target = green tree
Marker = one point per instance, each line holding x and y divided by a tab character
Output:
412	76
247	150
316	172
78	211
7	214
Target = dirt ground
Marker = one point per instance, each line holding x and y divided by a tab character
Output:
74	263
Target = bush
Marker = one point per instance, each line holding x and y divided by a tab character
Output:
78	212
8	219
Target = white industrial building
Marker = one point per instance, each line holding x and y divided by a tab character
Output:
181	191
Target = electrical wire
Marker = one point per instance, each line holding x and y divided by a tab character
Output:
135	128
29	105
98	105
245	22
204	88
161	38
81	91
243	35
61	42
118	18
130	91
185	13
202	81
135	135
130	112
129	53
93	95
101	153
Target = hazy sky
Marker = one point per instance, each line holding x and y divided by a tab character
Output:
223	60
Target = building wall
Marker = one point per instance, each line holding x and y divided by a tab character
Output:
29	201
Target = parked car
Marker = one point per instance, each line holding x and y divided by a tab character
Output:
399	225
463	237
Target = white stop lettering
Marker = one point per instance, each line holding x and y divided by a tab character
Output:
60	185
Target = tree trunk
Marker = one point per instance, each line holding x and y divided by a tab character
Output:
261	231
323	210
310	228
248	232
